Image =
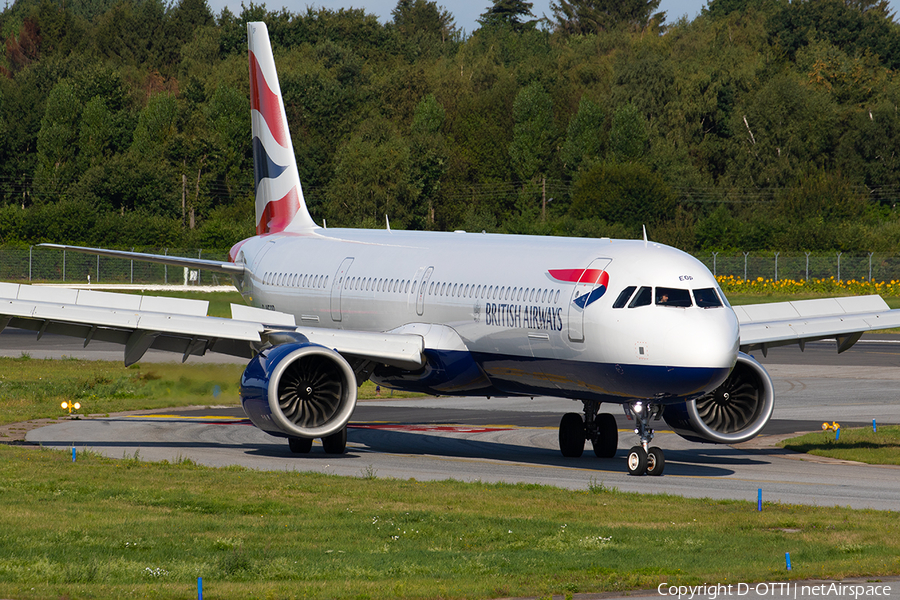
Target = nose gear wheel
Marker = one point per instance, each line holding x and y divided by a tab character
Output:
644	459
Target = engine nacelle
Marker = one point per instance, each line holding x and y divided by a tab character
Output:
299	390
735	412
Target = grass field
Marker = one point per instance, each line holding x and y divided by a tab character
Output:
881	447
35	388
102	528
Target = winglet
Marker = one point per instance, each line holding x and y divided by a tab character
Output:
279	197
644	227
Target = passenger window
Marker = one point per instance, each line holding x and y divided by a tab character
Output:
707	298
455	285
556	298
622	300
673	297
325	285
643	298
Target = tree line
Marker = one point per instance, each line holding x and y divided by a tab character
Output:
756	125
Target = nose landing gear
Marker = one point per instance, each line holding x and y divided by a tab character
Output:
644	459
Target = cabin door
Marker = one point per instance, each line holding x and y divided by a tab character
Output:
589	286
337	288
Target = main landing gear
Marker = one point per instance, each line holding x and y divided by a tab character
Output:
641	459
336	443
601	430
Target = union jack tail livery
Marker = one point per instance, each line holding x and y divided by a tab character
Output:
279	197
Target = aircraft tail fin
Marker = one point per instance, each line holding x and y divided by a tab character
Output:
279	197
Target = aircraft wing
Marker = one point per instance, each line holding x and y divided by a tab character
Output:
764	326
182	326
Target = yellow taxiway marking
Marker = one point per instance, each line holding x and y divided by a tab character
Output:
185	417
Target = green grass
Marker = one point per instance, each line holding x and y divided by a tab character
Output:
859	444
102	528
35	388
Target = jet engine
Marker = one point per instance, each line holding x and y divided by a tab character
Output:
299	390
734	412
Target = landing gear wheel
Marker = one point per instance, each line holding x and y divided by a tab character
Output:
607	441
336	443
300	445
571	435
656	461
637	461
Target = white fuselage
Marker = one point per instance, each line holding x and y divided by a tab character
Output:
501	301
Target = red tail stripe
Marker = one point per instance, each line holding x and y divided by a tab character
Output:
266	102
278	214
579	275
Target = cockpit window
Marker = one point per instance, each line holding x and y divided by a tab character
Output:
644	297
673	297
707	298
622	300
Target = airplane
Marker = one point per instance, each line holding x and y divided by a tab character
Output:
631	323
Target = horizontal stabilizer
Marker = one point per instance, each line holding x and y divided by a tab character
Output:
218	266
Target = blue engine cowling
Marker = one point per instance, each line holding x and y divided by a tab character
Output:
734	412
299	390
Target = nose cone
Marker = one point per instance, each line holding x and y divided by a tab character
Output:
706	338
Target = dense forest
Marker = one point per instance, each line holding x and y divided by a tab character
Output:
759	124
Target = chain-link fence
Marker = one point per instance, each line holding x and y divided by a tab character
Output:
804	266
38	264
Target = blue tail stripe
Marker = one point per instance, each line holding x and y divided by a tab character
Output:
263	166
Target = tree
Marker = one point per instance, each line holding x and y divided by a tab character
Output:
584	136
156	127
185	17
627	193
628	137
581	17
423	17
57	140
532	132
508	13
371	177
854	27
95	135
429	158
